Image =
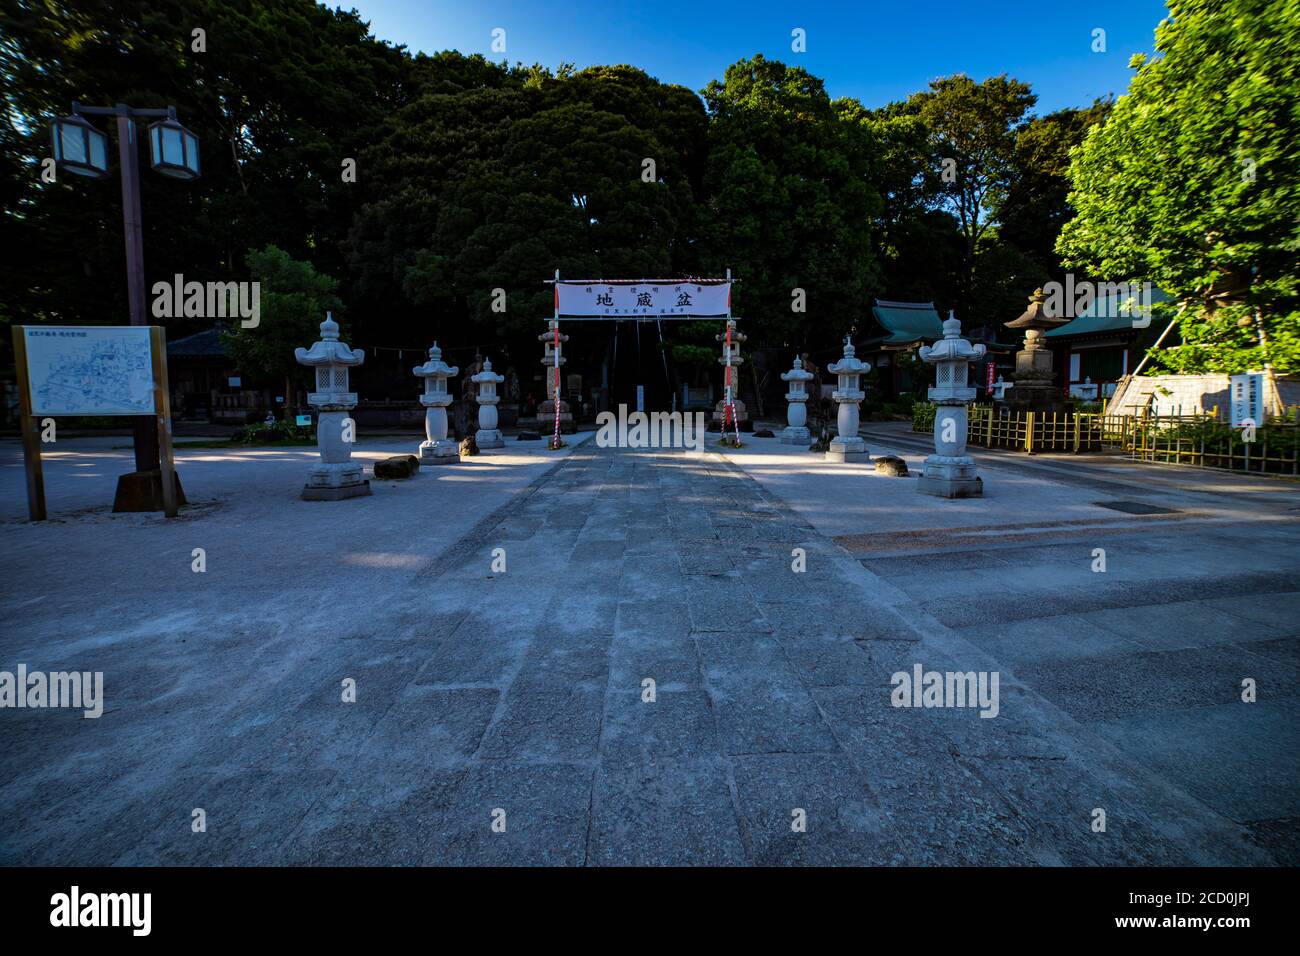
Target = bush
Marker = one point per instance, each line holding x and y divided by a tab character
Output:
1282	436
261	433
923	417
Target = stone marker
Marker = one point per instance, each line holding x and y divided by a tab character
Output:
336	476
848	445
437	448
468	446
1035	389
764	433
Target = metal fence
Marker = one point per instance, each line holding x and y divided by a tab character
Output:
1199	439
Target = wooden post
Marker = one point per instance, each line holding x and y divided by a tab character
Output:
28	425
1076	433
1029	432
162	407
988	434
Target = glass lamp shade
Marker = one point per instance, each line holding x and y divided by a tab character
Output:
173	150
79	147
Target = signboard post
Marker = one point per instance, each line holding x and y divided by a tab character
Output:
92	370
28	425
163	410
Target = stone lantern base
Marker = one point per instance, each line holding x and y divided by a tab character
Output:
950	477
444	451
546	418
848	449
334	482
796	435
742	414
489	438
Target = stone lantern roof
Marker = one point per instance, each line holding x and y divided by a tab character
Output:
850	364
328	350
952	347
1035	316
487	376
435	367
797	373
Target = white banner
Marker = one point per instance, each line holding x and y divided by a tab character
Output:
652	299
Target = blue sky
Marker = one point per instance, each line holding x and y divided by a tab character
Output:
875	51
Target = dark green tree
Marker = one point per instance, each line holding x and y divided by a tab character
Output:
791	202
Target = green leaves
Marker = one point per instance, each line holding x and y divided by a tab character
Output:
294	300
791	202
1194	183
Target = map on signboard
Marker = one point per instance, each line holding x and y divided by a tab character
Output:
90	370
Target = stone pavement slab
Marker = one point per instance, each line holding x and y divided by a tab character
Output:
524	691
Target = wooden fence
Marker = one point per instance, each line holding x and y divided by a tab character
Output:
1199	439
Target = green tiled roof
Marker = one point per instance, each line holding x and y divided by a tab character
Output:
907	322
1103	315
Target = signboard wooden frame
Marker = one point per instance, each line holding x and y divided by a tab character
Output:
29	425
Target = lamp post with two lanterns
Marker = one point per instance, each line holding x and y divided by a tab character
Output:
81	149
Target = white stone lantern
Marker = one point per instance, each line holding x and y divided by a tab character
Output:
488	435
437	448
950	472
796	432
848	445
336	476
546	412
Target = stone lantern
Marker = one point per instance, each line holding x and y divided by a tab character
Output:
950	472
336	476
546	412
488	435
848	445
796	432
437	449
1034	391
731	362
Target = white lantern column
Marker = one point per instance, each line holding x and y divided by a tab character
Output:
848	445
796	432
336	476
488	435
950	472
437	449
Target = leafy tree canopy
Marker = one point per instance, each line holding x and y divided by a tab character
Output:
1193	183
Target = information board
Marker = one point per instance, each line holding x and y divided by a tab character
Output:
89	370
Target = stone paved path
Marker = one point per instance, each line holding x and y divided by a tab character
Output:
518	696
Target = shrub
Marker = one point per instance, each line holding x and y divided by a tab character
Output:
261	433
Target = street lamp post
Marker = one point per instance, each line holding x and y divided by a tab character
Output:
81	149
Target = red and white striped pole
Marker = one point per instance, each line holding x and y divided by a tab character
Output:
729	407
555	396
556	440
